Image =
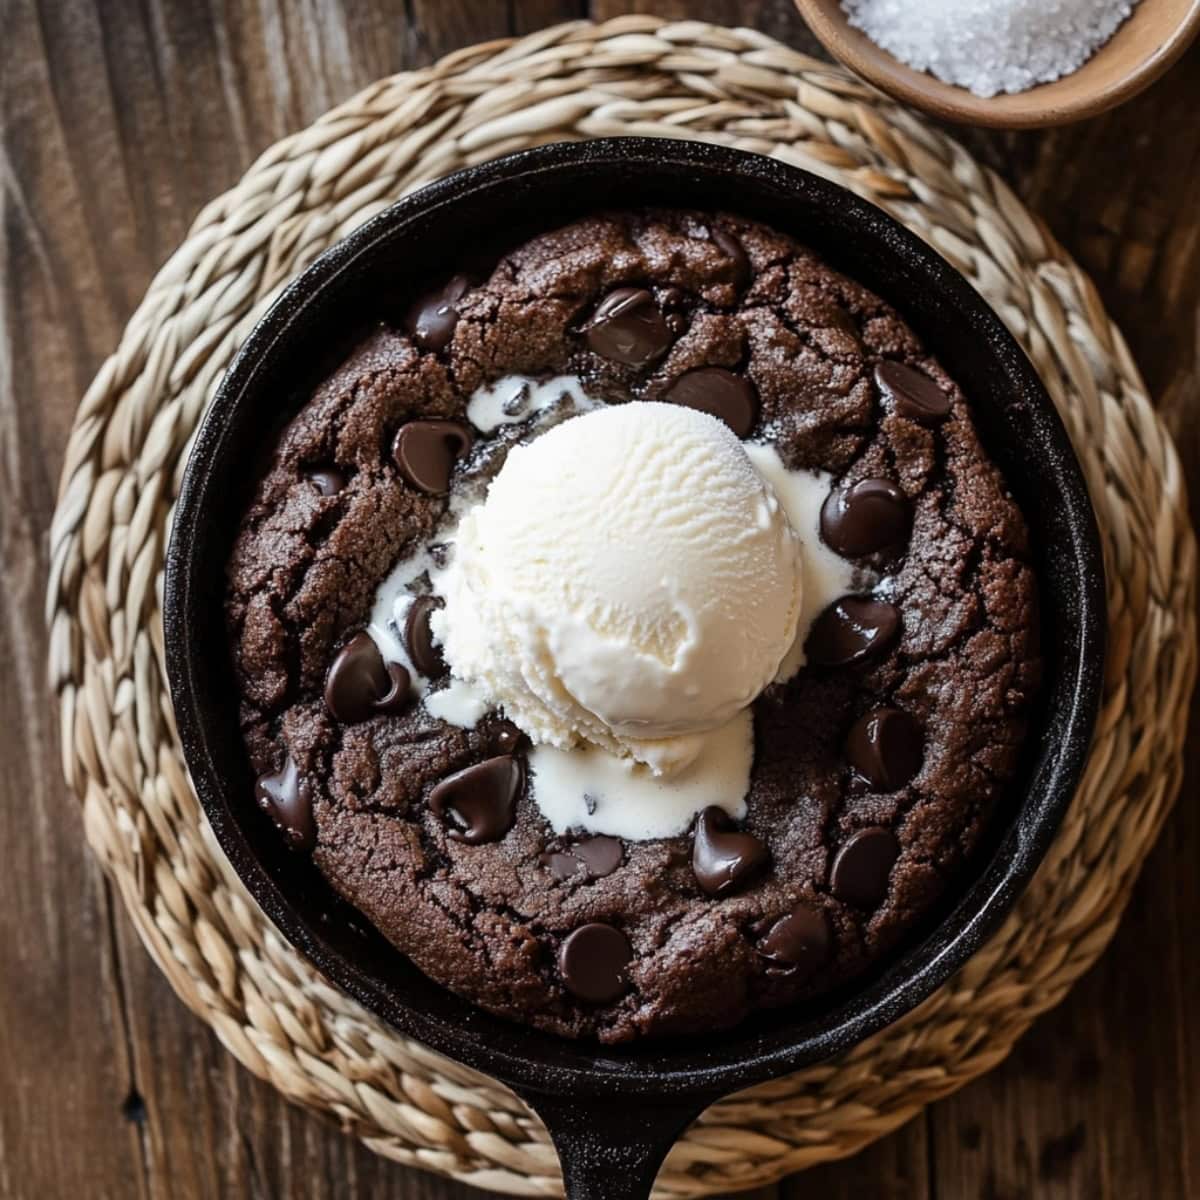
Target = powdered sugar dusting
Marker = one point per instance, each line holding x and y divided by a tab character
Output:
991	46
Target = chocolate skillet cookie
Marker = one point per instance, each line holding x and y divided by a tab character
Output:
876	767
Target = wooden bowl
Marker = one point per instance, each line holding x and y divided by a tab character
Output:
1152	39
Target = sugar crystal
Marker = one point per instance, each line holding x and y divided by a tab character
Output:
990	46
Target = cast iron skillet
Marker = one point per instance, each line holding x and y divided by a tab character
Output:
613	1114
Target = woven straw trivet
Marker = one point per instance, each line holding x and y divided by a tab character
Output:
130	442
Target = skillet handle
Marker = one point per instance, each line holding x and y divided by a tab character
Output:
611	1148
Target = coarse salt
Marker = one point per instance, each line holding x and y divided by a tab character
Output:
990	46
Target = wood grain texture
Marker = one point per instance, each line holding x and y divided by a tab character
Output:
118	120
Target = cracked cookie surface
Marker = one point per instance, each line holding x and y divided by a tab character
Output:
331	516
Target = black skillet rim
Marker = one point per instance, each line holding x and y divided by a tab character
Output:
495	1046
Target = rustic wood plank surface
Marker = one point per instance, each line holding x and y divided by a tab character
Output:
118	119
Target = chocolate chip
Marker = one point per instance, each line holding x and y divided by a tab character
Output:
426	656
286	797
430	321
759	926
517	403
673	299
480	800
502	737
560	864
869	516
724	858
843	322
863	866
426	451
885	746
799	943
593	856
360	684
914	395
592	962
328	480
720	393
733	249
853	629
601	855
399	694
628	328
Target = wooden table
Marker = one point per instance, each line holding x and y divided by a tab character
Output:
119	120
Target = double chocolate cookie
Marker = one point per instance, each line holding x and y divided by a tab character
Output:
876	767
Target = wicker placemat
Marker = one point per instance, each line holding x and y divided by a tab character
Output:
130	441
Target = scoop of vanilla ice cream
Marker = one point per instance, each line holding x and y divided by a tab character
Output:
630	580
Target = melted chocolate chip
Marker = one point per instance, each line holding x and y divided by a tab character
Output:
869	516
592	962
799	943
594	856
399	694
842	321
673	299
360	684
724	858
914	395
502	737
431	320
425	453
560	864
426	656
863	867
286	797
853	629
628	328
480	800
601	855
885	746
720	393
733	250
328	480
